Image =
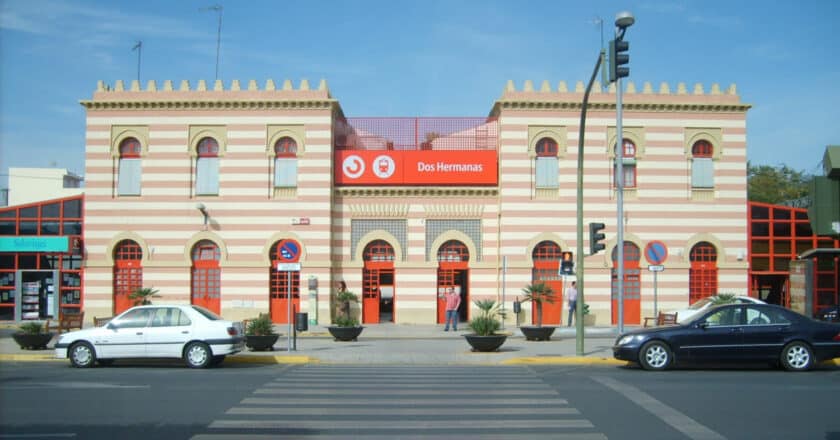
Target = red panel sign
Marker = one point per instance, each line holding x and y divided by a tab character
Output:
416	167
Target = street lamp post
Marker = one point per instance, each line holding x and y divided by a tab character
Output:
623	20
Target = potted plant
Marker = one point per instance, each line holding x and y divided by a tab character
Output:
588	319
538	294
32	335
143	296
485	326
260	334
345	327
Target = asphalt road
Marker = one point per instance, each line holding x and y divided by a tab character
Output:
164	400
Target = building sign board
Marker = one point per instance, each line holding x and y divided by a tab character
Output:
444	167
34	244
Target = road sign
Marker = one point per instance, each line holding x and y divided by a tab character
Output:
288	267
656	252
289	251
656	268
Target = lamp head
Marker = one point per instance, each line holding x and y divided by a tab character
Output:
624	20
200	206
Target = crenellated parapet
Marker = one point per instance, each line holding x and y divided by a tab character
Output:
665	98
204	95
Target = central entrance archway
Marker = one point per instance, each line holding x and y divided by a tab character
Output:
453	271
378	283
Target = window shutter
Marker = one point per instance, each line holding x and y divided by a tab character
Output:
547	173
128	181
702	173
285	172
207	175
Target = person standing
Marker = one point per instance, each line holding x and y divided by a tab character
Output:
571	296
453	301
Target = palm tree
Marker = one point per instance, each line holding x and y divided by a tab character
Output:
538	294
142	296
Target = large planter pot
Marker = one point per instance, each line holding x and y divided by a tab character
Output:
345	333
485	343
537	333
260	342
588	320
32	341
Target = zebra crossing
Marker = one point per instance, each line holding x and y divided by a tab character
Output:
327	402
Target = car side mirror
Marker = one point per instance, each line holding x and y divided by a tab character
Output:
111	326
702	324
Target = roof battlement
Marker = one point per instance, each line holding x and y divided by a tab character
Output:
218	86
665	99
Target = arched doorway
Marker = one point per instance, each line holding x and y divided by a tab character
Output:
703	274
378	283
282	283
206	276
547	256
632	285
453	271
128	273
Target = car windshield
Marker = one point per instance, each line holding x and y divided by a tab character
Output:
207	314
699	304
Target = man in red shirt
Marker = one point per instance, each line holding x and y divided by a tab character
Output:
453	301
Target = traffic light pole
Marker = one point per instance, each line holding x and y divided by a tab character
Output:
579	337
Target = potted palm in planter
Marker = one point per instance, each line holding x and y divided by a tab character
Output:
588	318
32	335
538	294
485	326
345	327
260	334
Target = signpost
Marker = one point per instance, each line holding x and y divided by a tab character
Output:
656	252
289	256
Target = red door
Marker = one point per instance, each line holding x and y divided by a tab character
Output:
547	256
632	285
207	276
379	262
283	283
453	271
128	274
702	276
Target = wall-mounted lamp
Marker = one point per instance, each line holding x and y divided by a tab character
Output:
201	208
741	255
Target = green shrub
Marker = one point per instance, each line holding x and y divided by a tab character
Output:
346	296
32	328
487	322
345	321
260	326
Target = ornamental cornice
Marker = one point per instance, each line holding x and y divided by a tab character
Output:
453	211
378	210
395	191
610	106
318	104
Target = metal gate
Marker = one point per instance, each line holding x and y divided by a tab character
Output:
207	276
282	283
378	283
632	285
128	274
453	272
547	256
703	274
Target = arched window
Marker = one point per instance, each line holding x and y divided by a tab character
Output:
207	167
285	163
703	272
628	160
546	168
702	166
128	180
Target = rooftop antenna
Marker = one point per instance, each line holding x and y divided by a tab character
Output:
217	8
139	48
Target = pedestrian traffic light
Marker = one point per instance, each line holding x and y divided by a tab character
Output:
567	263
595	237
619	57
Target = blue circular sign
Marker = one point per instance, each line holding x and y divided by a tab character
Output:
656	252
289	251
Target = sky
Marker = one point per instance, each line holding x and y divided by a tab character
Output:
417	58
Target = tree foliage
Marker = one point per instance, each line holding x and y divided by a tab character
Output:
779	185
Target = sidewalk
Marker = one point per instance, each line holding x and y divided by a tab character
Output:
399	344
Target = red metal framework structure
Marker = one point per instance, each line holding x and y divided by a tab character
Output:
778	235
417	133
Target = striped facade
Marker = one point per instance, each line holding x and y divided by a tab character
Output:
506	222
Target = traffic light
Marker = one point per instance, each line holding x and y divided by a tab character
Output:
595	237
619	57
567	263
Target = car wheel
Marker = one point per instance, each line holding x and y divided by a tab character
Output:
655	356
797	356
198	355
217	360
82	355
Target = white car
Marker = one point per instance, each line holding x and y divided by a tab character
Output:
686	315
192	333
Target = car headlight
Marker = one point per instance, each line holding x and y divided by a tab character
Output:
624	340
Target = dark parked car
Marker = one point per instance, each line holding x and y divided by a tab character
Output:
734	333
830	314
